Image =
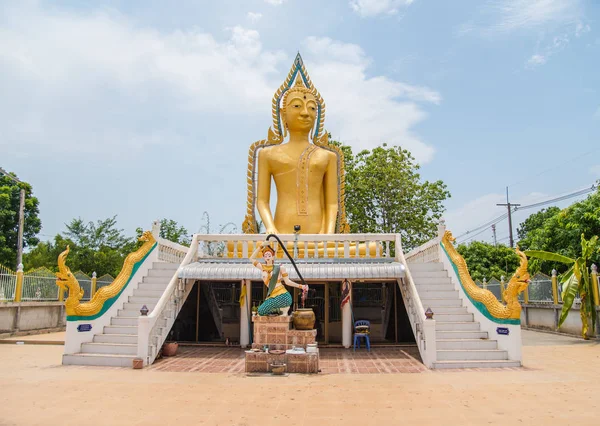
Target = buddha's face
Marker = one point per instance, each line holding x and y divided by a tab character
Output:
300	111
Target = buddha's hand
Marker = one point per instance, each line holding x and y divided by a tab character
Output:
272	231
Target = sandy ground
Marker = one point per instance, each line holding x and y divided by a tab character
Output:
560	384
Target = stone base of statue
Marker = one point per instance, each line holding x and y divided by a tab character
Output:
275	342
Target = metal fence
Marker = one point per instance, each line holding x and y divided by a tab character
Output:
538	291
40	285
8	283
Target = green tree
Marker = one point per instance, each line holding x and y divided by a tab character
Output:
488	261
385	193
9	219
172	231
535	221
95	247
560	233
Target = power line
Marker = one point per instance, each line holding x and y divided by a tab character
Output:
483	227
561	198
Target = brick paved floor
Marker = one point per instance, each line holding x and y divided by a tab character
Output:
383	360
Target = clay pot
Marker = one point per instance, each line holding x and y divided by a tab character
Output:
277	369
138	363
170	349
304	319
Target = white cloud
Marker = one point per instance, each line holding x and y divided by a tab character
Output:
517	14
275	2
366	8
362	111
557	44
254	16
536	59
97	82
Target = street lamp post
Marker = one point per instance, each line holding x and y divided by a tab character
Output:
21	218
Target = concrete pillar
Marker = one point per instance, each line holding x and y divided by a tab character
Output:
245	313
347	325
554	287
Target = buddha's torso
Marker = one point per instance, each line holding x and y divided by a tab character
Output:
298	172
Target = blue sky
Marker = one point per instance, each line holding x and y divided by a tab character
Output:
146	109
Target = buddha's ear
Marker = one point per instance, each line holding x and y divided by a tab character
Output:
284	127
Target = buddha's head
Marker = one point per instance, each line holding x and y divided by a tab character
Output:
299	110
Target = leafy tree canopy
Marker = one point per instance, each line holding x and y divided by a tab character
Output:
9	219
487	261
95	247
559	231
172	231
385	193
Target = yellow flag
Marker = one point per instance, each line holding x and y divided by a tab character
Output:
243	295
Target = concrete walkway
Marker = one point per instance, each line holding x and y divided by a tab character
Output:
559	385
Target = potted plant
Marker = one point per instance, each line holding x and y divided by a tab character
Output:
169	347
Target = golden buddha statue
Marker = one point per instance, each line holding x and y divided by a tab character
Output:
308	176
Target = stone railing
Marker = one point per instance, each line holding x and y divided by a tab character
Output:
423	328
429	251
300	246
153	329
171	252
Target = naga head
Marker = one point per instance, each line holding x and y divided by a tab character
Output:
520	280
64	278
146	237
448	238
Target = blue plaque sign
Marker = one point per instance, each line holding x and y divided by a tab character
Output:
84	327
502	330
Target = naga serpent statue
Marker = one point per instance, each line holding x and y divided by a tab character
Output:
517	284
66	280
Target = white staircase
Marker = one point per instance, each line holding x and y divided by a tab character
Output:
460	343
117	344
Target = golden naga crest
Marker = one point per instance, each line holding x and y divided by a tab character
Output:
297	78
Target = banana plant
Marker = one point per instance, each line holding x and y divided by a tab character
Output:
575	280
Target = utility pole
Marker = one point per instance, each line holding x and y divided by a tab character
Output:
510	228
494	232
21	218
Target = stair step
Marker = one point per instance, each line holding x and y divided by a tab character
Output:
142	300
165	265
471	354
432	303
449	310
476	364
439	317
99	359
129	313
434	287
431	266
457	326
467	344
164	273
120	320
156	280
437	294
116	338
120	329
420	275
142	292
431	281
461	334
136	306
109	348
160	286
